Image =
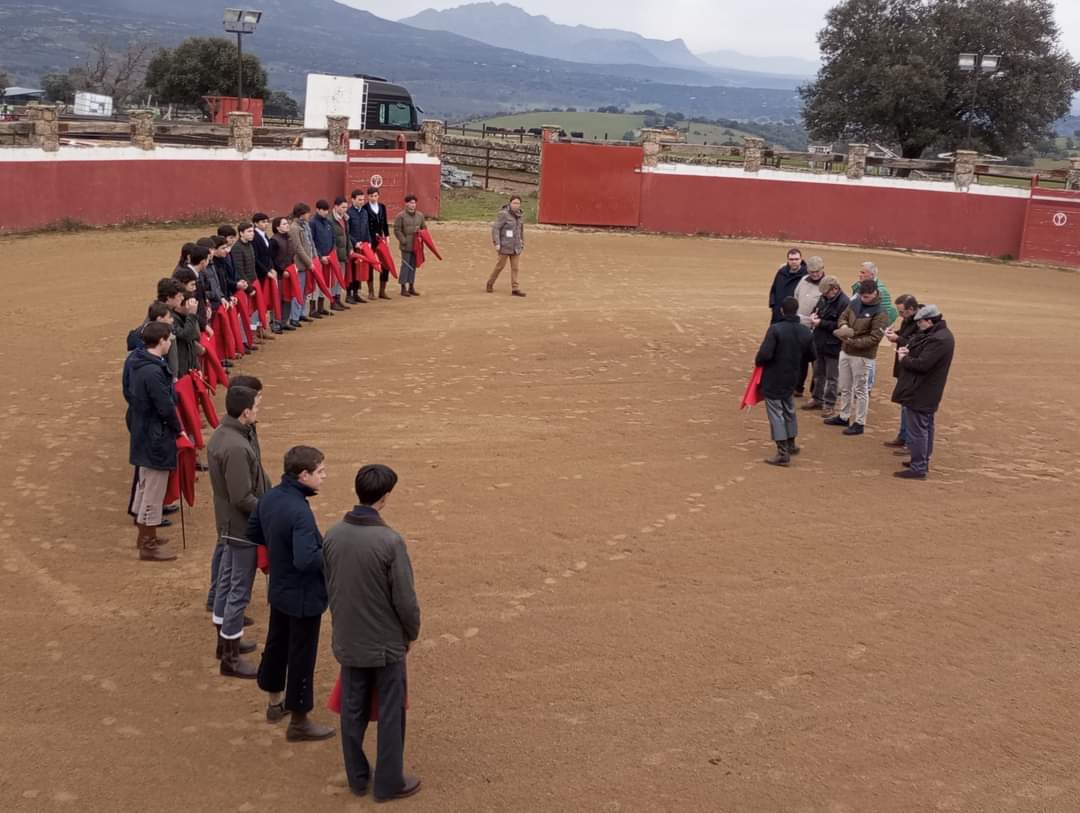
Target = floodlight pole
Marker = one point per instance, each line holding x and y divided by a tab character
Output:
240	66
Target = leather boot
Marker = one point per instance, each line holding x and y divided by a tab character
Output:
792	449
232	665
371	289
413	291
382	290
154	549
246	647
304	729
322	308
313	311
141	539
337	305
405	290
781	458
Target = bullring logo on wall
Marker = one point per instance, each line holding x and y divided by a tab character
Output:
376	181
1061	219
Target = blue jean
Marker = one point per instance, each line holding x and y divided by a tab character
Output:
920	439
296	309
903	435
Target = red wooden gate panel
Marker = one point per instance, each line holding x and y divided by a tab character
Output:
384	169
1052	227
590	185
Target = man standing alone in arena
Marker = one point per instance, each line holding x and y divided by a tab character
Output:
508	237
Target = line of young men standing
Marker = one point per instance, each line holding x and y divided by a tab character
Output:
813	322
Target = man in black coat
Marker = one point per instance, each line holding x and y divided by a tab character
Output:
264	262
907	306
787	348
283	521
376	618
785	281
924	369
824	320
378	227
154	427
358	233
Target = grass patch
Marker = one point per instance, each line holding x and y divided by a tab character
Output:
478	205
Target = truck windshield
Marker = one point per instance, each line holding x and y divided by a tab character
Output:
395	114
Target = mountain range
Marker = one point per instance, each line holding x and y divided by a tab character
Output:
504	25
450	76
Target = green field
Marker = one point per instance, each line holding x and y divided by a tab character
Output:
611	126
476	204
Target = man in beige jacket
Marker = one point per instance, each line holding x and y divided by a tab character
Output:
508	237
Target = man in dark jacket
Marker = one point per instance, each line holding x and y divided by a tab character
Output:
283	521
924	368
861	327
824	319
322	237
358	233
785	282
376	616
907	306
151	398
264	264
378	228
239	480
340	219
787	348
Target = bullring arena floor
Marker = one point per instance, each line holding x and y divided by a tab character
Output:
624	608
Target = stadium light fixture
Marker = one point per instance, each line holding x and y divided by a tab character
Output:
976	65
240	21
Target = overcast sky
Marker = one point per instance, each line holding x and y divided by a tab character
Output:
759	28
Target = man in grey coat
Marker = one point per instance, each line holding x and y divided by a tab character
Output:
376	617
238	480
508	238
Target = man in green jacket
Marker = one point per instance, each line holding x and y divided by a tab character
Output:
408	222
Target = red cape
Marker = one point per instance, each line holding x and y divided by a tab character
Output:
212	368
753	390
182	478
319	279
334	701
422	240
188	411
386	258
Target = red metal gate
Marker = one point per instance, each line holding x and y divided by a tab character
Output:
1052	227
384	169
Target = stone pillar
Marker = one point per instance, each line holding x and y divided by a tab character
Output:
551	133
964	171
142	129
856	161
240	134
753	153
432	132
1074	174
337	134
650	142
46	121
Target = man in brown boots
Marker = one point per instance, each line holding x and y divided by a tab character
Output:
238	480
154	427
283	521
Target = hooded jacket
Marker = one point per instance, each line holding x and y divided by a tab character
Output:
236	475
925	369
829	312
283	521
373	601
154	426
869	323
784	284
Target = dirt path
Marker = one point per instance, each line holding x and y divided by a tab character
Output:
624	610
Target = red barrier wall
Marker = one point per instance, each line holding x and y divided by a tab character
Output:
1052	229
590	185
425	181
36	193
605	186
878	216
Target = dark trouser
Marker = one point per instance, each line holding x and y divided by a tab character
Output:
408	268
288	661
826	376
802	377
356	688
903	435
781	412
920	439
215	569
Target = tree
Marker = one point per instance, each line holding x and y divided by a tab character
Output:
118	74
281	105
58	87
202	66
890	74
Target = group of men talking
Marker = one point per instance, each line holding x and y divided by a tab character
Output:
816	325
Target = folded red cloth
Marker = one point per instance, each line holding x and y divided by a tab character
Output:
188	411
316	273
182	478
212	367
333	703
753	390
386	259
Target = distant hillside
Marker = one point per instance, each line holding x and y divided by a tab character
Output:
450	76
508	26
780	65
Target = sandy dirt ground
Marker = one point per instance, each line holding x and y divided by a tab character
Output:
624	609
